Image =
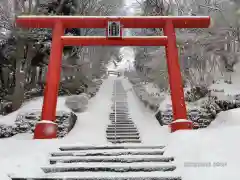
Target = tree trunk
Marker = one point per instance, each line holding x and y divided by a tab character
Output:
2	79
18	94
33	77
40	74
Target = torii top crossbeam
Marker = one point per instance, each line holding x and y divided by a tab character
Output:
101	21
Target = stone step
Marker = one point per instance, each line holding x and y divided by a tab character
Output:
124	97
119	128
117	152
61	177
123	134
119	108
124	141
122	137
120	117
110	167
107	147
119	114
122	131
116	159
122	125
123	114
122	121
119	103
120	99
119	96
113	124
126	118
123	111
119	135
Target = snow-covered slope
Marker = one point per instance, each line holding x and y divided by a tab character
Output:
215	146
227	119
209	154
22	155
228	91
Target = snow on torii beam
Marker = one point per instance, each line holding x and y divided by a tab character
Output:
101	22
48	129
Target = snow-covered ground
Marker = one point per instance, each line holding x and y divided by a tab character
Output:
213	151
22	155
215	144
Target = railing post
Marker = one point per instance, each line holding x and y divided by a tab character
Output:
175	80
47	128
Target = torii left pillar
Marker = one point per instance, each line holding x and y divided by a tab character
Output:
47	128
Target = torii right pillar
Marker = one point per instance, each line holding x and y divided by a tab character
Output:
175	81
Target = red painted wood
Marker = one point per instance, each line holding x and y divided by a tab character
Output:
101	22
58	23
53	75
103	41
174	74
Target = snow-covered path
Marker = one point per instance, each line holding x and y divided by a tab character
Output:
23	156
18	155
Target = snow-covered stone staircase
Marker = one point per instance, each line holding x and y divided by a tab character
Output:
136	162
122	129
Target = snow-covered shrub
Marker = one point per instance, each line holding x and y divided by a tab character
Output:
196	93
77	103
211	107
227	104
6	131
26	122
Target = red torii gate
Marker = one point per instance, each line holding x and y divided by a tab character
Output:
46	128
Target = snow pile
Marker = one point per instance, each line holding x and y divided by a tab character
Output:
77	103
227	118
209	154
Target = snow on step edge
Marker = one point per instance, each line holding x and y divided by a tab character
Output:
109	167
125	159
